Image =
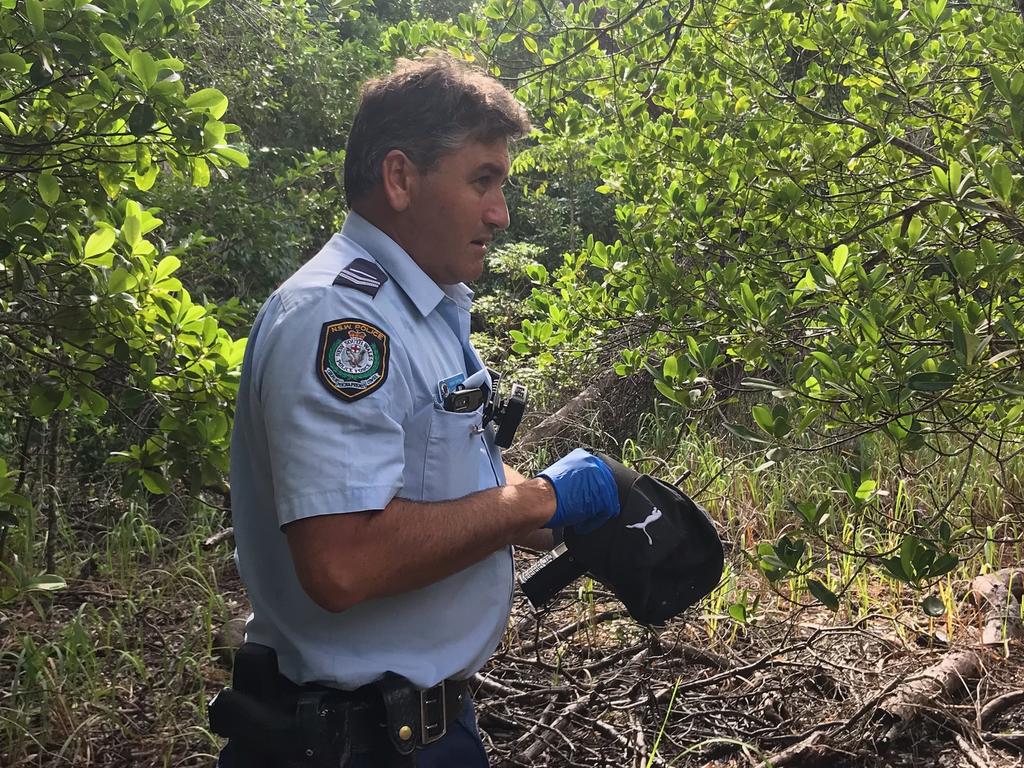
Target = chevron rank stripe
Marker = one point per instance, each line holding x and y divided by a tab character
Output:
363	275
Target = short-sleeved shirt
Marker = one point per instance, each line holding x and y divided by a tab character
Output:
304	446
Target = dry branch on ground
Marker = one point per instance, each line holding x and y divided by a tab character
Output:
587	687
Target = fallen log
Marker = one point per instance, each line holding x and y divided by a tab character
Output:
992	709
950	677
998	595
554	424
806	753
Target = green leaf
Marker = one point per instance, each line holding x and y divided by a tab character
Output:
155	482
1002	181
99	242
909	549
745	434
233	155
763	417
200	172
213	133
931	381
145	181
141	119
700	203
670	368
144	67
763	384
46	582
49	188
943	565
45	401
34	11
840	257
208	100
965	262
529	44
94	403
131	228
895	568
823	594
167	266
955	175
807	283
115	46
738	612
865	491
999	81
13	63
669	391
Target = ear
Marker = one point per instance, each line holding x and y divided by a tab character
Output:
398	176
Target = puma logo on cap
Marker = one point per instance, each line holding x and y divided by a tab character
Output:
654	515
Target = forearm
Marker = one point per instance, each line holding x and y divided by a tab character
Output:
539	538
513	476
410	544
542	539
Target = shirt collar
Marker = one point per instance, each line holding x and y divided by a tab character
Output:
424	293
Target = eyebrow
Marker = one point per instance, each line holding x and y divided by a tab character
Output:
492	168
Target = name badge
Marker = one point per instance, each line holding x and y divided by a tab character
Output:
446	386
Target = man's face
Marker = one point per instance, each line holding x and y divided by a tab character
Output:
455	209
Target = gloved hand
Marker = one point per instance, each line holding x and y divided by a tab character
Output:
584	489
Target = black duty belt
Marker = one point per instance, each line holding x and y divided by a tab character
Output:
420	716
266	713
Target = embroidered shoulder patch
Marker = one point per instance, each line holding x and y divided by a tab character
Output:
352	360
363	275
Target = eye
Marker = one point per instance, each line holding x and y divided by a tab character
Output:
484	181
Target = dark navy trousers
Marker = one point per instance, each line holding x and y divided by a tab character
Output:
461	747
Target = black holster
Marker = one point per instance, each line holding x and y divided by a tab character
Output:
278	723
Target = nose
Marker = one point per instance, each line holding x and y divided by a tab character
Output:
496	212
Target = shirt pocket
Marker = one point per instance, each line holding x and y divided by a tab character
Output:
452	460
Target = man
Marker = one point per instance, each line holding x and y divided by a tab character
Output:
372	518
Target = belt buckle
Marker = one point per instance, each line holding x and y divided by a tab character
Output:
432	704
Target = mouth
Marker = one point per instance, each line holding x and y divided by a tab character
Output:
481	243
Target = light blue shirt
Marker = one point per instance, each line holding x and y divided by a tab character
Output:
298	450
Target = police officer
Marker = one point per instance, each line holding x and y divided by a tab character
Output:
373	522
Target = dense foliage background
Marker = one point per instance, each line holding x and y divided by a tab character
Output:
791	229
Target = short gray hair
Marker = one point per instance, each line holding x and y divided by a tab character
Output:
426	108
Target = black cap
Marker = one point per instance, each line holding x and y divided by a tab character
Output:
659	556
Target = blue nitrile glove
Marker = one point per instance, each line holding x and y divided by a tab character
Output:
584	489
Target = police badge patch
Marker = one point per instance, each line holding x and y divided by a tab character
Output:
352	360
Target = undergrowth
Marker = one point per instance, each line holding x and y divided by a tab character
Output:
117	668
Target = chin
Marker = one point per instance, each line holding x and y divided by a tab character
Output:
470	273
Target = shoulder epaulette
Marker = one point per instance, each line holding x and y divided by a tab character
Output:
363	275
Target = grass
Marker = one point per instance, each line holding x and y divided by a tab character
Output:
117	669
